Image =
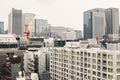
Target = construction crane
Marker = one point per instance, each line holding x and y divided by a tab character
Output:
27	30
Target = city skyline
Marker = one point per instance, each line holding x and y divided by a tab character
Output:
55	11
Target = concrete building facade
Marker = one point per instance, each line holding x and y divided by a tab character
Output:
84	64
68	35
15	22
37	61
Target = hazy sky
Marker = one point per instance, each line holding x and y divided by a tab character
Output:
68	13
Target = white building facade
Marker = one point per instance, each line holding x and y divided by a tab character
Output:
84	64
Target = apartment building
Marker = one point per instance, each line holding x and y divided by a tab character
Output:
84	64
37	61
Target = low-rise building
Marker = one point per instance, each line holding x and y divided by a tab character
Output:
8	41
68	35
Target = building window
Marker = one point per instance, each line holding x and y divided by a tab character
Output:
81	53
94	55
118	70
110	70
94	66
118	57
110	77
110	63
110	57
94	73
94	61
118	64
98	74
88	54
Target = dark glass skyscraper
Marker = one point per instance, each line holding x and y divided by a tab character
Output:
94	23
112	20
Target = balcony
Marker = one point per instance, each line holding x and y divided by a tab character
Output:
98	62
72	67
104	63
104	56
104	75
85	65
104	69
73	63
98	56
81	65
110	70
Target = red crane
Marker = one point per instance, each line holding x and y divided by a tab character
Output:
27	30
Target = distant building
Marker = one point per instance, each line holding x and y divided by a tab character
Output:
41	27
112	20
68	35
8	41
55	31
28	18
2	28
94	23
78	34
15	22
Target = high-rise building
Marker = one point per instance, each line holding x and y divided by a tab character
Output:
15	22
94	23
2	28
28	18
41	27
112	20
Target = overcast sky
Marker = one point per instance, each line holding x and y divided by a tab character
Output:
68	13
